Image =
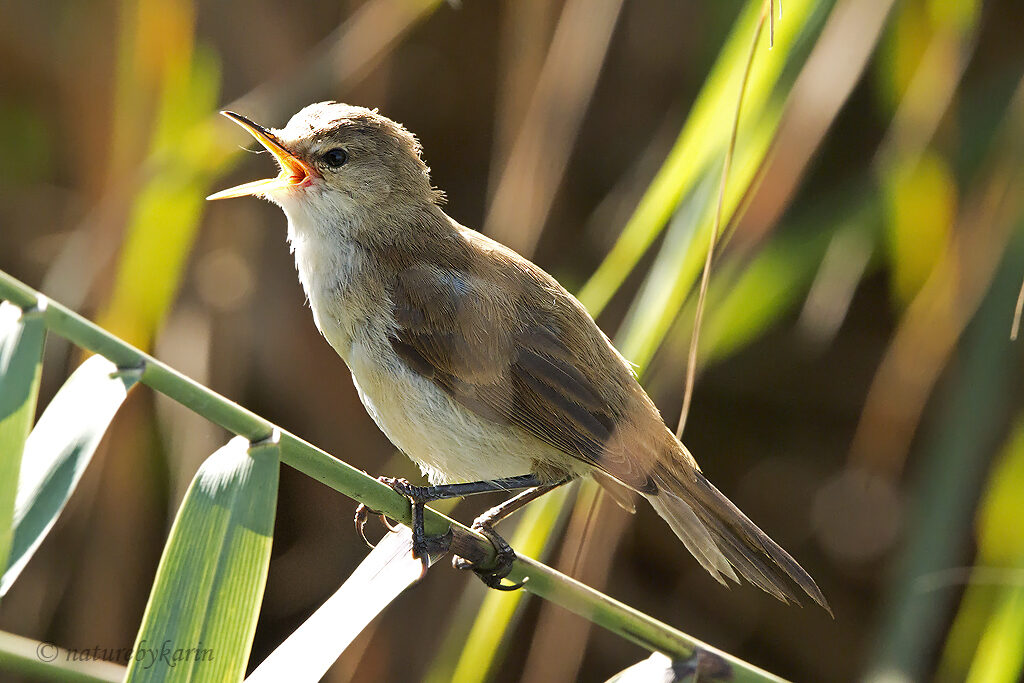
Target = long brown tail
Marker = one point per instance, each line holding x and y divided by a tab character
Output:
725	541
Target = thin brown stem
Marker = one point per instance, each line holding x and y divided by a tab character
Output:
691	364
1016	314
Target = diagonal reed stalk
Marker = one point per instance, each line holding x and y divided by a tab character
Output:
542	580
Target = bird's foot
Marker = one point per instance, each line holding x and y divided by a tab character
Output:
503	559
422	545
417	494
362	512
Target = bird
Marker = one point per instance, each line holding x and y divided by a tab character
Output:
476	363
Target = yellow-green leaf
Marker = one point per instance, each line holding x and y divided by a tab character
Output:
202	611
166	211
311	649
21	350
922	200
701	144
57	452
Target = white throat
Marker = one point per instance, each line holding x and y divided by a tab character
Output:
332	267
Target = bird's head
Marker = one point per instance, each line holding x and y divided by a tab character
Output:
338	158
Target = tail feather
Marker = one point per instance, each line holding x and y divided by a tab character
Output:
694	535
722	538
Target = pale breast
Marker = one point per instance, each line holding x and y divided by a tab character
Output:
345	300
447	441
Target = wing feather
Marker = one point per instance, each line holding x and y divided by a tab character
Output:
509	364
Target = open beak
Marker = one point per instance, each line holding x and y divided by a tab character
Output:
294	171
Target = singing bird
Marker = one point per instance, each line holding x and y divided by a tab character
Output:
473	361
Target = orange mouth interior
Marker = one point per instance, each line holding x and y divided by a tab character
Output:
294	171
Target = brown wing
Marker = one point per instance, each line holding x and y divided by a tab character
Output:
507	362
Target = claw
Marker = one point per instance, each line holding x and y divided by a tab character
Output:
362	512
360	522
503	559
424	566
494	582
508	587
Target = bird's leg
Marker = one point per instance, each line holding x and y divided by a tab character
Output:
504	555
422	545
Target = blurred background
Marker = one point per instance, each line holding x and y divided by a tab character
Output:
857	392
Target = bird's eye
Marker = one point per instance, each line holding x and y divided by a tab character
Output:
335	158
